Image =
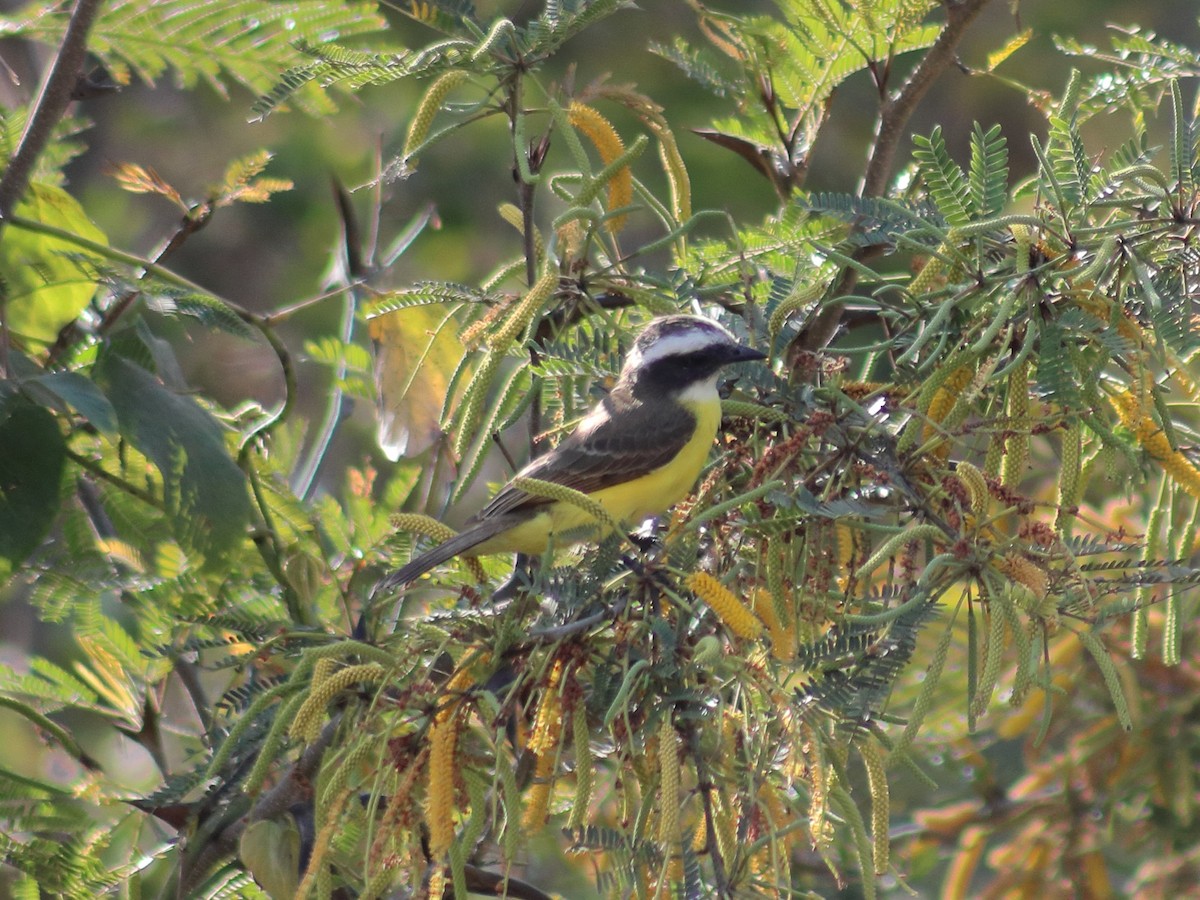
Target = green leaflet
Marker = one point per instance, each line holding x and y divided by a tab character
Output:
47	281
32	457
203	489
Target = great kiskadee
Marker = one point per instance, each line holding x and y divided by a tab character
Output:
637	453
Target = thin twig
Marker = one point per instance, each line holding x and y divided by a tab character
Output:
90	465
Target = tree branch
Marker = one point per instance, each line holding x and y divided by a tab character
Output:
293	787
894	114
897	109
50	105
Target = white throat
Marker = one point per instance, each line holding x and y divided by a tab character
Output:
700	392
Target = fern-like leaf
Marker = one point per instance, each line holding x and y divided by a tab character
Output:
246	42
989	172
946	181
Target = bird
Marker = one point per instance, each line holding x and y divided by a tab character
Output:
637	452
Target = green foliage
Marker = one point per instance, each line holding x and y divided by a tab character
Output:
913	509
32	471
247	42
202	491
47	281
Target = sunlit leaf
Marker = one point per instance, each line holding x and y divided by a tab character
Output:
416	350
47	281
205	491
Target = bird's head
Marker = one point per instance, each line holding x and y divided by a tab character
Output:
675	353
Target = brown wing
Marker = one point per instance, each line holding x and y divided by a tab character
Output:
597	456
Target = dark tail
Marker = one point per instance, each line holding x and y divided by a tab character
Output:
458	544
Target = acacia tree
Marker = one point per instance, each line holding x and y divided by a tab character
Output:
902	564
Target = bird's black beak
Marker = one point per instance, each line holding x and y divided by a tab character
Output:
740	353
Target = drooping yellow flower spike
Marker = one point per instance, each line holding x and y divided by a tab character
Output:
443	743
609	145
543	743
732	611
1151	436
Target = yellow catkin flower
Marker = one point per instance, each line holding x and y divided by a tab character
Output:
321	842
439	798
700	837
437	883
678	181
1016	447
547	723
976	486
995	455
443	741
880	802
474	396
669	835
771	863
740	409
725	826
1100	306
729	609
802	296
993	656
1154	440
941	405
1026	572
609	145
543	743
537	801
857	390
307	723
518	319
929	276
418	129
818	776
426	525
564	494
783	639
845	547
585	768
399	806
1070	472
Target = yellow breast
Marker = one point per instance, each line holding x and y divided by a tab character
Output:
628	503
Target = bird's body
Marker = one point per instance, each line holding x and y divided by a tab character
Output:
637	453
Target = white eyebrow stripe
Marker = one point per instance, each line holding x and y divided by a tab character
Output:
678	344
